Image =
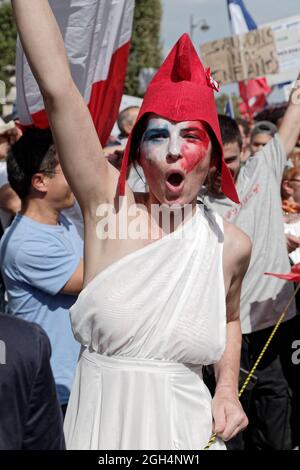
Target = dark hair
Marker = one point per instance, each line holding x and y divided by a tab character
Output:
244	124
136	138
230	132
32	153
272	113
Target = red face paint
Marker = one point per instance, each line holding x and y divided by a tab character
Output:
194	147
187	140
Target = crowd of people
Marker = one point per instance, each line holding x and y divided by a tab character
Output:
122	339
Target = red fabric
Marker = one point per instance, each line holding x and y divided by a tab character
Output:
293	275
253	94
180	91
40	120
105	97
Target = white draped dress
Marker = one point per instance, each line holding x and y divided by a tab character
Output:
147	324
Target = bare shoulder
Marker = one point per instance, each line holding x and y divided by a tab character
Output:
236	241
237	252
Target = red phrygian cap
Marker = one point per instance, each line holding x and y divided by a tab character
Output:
182	90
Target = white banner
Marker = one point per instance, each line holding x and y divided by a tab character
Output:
287	40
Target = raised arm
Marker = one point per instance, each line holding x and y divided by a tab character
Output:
92	179
290	127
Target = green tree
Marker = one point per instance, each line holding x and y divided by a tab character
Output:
223	99
8	35
145	48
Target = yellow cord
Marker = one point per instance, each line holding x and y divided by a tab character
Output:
214	436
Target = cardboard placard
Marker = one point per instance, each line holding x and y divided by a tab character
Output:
241	57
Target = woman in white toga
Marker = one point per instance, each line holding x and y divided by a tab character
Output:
161	295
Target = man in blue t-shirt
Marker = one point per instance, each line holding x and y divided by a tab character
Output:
41	252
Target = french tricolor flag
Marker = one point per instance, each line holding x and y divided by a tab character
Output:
228	109
97	39
252	92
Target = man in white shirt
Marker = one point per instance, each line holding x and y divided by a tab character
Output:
263	298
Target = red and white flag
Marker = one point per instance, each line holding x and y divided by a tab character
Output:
97	39
252	92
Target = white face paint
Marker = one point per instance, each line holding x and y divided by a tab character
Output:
188	140
175	157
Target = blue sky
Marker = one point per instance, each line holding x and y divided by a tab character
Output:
176	20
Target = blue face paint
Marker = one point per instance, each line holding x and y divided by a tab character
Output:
163	138
156	133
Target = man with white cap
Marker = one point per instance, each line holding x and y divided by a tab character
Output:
260	135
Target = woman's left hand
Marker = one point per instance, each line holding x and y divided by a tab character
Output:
229	417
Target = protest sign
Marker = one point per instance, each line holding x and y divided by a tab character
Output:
241	57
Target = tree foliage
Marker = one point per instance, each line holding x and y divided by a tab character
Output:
8	35
145	48
223	99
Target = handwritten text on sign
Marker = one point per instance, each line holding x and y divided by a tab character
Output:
241	57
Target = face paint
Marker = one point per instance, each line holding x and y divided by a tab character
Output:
155	139
187	140
194	146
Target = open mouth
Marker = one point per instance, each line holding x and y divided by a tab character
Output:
175	180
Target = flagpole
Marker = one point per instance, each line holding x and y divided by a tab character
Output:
232	34
231	105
